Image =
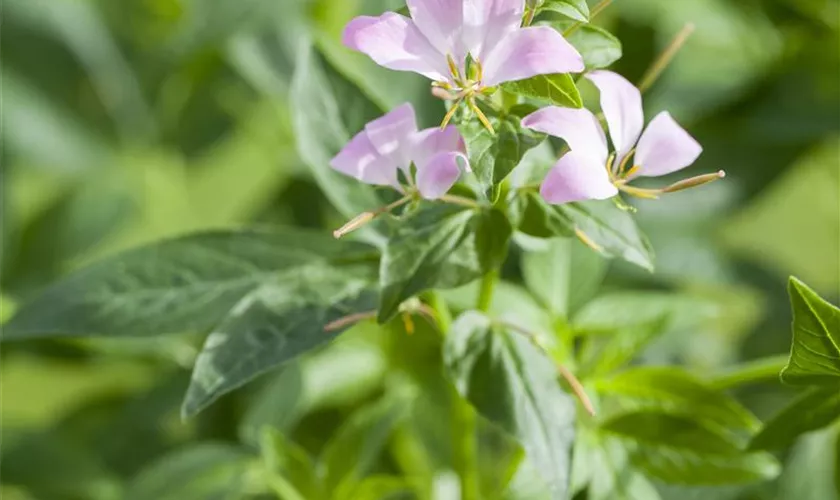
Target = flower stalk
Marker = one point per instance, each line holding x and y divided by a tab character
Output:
665	58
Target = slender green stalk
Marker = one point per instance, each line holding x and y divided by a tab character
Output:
751	372
459	200
282	488
466	448
665	58
442	313
485	293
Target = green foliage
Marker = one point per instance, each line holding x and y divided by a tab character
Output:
599	47
815	409
513	385
815	352
558	89
575	9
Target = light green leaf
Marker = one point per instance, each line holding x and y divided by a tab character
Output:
206	470
435	247
290	463
272	325
815	352
327	110
598	47
180	285
610	475
382	488
356	446
575	9
558	89
683	450
513	385
675	391
611	229
494	155
617	310
815	409
604	353
564	276
812	468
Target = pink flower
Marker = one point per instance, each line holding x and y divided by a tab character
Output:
392	143
588	171
440	34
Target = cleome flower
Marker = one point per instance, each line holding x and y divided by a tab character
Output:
392	143
465	47
589	171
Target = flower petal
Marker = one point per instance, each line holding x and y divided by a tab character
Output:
359	159
578	127
435	177
393	41
486	22
527	52
392	133
576	177
431	141
621	102
665	147
441	22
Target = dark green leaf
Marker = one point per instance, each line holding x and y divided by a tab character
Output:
598	47
327	110
575	9
207	470
612	230
682	450
558	89
537	218
272	325
815	352
677	392
494	155
564	276
815	409
604	353
512	384
184	284
434	247
355	447
289	461
492	237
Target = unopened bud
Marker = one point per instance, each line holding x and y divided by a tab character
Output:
354	223
694	182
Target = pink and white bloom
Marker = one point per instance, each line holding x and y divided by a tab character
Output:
440	34
392	143
589	171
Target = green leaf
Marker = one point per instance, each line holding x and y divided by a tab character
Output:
289	463
356	446
815	352
683	450
815	409
494	155
439	246
575	9
615	311
677	392
613	231
558	89
598	47
327	110
272	325
382	488
206	470
564	276
180	285
604	353
812	471
535	217
603	465
512	384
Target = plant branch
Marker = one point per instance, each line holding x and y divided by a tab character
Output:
665	58
751	372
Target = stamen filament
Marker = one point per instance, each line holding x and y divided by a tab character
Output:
665	57
623	164
365	217
650	194
459	200
587	241
348	320
694	182
453	68
450	114
483	119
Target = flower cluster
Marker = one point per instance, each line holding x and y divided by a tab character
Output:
467	48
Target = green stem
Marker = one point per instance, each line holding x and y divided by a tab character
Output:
466	448
485	293
760	370
442	313
282	488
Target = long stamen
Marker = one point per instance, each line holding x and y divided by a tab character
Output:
450	114
453	68
624	162
348	320
583	237
365	217
694	182
650	194
483	119
665	57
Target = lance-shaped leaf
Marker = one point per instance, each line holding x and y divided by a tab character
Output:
815	352
598	47
441	246
558	89
512	384
178	285
815	409
494	155
684	450
274	324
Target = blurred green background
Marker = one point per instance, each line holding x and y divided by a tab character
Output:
125	121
